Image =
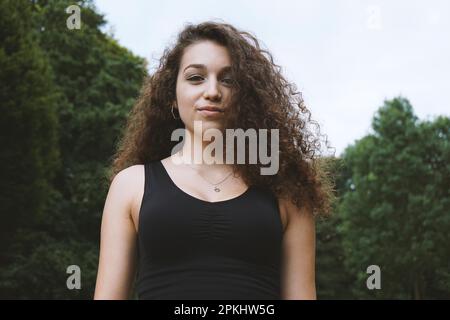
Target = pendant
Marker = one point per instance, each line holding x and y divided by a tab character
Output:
216	189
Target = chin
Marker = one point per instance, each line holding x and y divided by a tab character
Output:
207	124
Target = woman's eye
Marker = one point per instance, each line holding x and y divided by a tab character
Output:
195	78
228	81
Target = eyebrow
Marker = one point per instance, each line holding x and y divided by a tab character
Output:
202	66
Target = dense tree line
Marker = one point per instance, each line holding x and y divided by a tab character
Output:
65	95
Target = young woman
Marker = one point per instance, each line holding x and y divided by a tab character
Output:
174	228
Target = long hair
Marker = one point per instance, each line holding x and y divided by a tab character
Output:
261	98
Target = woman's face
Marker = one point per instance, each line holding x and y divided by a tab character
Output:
204	80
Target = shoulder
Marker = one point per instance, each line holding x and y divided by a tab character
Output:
291	214
127	177
128	182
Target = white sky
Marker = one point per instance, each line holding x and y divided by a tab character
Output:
346	56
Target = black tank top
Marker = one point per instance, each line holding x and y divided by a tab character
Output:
193	249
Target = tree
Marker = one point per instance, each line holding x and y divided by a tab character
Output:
28	125
396	208
95	84
333	279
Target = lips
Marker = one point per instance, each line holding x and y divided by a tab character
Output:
210	108
210	111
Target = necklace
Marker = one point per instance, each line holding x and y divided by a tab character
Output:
215	185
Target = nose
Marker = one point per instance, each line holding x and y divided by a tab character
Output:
212	91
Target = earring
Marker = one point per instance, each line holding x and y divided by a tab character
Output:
173	115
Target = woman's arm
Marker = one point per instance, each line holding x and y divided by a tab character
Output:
116	270
298	264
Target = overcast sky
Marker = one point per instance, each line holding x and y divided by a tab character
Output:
346	57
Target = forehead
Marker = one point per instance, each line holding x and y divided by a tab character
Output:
208	53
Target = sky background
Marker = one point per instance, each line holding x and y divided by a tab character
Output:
345	56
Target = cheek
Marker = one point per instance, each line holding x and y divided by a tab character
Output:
186	93
227	94
186	100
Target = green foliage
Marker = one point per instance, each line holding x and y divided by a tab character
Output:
28	123
85	81
333	280
40	273
396	209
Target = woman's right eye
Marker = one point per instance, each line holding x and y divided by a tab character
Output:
195	78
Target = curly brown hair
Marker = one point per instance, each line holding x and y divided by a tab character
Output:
261	98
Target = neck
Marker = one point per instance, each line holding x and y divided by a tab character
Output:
192	153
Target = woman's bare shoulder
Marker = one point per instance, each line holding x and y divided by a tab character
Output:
128	183
127	178
132	183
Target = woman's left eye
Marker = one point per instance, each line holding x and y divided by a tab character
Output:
228	81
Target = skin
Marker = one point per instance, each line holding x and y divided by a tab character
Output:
196	87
